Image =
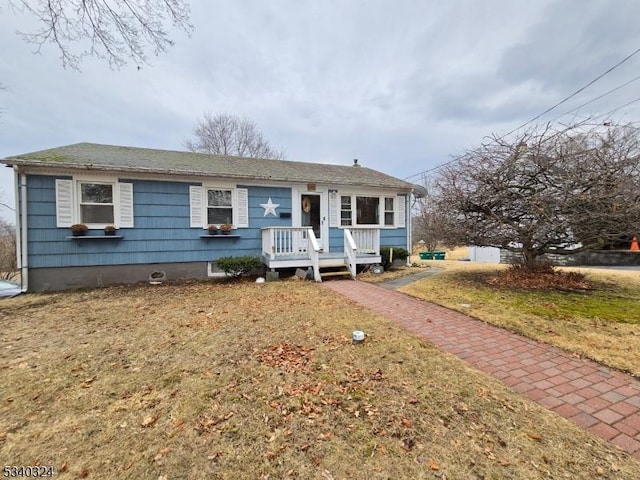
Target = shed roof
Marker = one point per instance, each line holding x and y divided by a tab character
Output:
94	156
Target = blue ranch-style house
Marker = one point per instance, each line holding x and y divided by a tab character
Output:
291	214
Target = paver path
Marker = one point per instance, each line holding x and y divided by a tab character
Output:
603	401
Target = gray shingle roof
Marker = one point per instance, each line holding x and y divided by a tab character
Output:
132	159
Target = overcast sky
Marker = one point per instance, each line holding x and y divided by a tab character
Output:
401	85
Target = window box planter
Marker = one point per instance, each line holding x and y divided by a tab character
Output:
96	237
220	237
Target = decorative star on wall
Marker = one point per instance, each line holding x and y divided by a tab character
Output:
270	207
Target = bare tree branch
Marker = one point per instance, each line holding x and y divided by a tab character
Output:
545	192
226	134
115	30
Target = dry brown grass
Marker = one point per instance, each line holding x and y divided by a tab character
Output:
393	273
251	381
602	323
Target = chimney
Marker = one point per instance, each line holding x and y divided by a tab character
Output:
355	162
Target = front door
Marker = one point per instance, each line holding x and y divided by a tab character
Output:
311	214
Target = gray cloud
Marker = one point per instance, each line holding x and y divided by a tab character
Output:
398	85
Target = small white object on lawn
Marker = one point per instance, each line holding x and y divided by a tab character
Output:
260	280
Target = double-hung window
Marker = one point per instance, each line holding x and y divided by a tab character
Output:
219	206
389	211
96	203
345	210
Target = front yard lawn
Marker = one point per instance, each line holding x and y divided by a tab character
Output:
254	381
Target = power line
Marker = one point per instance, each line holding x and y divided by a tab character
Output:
622	106
567	128
606	72
635	79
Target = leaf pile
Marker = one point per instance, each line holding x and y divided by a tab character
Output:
543	277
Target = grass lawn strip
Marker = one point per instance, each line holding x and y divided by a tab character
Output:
261	381
602	323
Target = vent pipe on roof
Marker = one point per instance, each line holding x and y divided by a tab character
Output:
355	162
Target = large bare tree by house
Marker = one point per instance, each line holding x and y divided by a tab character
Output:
226	134
545	191
113	30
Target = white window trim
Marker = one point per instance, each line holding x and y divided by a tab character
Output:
78	201
70	208
393	211
205	204
237	220
213	270
381	210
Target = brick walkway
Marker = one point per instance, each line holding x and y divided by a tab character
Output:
603	401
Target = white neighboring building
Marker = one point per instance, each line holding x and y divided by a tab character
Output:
484	254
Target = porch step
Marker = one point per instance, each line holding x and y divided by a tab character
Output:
335	272
328	262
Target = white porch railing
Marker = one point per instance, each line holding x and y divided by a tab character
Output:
284	241
350	251
367	240
314	254
288	245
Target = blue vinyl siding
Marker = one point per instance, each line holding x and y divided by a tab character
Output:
161	234
258	195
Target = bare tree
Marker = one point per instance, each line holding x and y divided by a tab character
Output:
544	192
226	134
115	30
427	221
8	259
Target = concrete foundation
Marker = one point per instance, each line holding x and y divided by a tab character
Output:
52	279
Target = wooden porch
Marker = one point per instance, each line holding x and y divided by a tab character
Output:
298	247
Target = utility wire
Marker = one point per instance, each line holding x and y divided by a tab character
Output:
622	106
606	72
566	129
635	79
574	93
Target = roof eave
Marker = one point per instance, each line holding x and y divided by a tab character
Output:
193	173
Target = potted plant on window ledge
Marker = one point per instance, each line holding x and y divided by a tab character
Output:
110	230
79	229
225	228
212	229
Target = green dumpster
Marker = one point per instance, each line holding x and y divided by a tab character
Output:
426	255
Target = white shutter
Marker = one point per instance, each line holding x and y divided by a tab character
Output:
195	202
241	208
334	211
64	203
401	211
125	200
